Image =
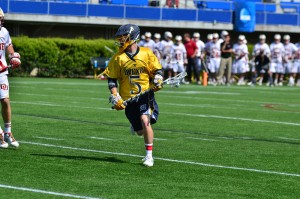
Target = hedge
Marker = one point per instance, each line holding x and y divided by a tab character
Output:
56	57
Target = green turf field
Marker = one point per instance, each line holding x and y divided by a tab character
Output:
213	142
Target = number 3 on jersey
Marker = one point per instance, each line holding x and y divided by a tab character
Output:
132	79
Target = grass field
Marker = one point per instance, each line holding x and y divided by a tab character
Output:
212	142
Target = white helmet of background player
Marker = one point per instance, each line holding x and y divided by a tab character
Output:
262	38
196	35
157	36
277	37
148	34
224	33
209	37
178	38
242	38
286	37
1	18
168	35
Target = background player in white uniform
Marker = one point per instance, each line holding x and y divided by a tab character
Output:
240	64
290	52
147	42
166	51
215	58
207	50
200	55
157	46
261	46
297	63
6	137
178	53
277	53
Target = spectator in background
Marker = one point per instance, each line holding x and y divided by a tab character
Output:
297	63
224	34
158	46
261	67
290	52
261	46
166	51
277	53
240	65
172	3
200	55
147	42
178	53
207	50
226	61
215	59
191	50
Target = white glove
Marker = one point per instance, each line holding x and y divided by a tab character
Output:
117	101
158	80
15	61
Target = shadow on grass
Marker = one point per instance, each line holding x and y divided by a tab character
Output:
70	157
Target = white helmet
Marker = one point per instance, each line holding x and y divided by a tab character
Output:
277	37
286	37
157	36
1	18
148	34
168	35
242	37
178	38
210	36
196	35
224	33
143	37
215	36
262	37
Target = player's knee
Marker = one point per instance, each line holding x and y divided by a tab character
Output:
5	102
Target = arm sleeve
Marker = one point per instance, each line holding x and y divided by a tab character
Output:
8	41
112	83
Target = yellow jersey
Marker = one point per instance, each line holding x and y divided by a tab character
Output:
134	73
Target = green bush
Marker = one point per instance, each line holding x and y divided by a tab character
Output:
55	57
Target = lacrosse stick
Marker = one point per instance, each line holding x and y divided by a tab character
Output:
173	81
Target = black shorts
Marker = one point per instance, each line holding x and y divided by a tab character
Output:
146	105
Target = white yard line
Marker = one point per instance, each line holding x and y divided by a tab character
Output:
201	92
226	138
165	159
204	139
160	139
44	192
48	138
285	138
100	138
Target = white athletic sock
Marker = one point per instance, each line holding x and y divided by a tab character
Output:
7	127
149	148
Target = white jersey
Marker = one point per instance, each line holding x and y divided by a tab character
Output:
148	44
258	47
290	50
158	50
178	53
297	54
240	51
215	50
200	46
277	52
167	47
5	41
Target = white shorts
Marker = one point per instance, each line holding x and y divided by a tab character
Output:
214	64
178	67
166	63
290	68
297	66
4	87
276	67
240	67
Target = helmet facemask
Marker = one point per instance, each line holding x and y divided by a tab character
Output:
123	42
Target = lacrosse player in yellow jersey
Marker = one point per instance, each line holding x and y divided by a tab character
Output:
135	69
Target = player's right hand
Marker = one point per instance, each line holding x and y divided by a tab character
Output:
15	61
117	101
158	82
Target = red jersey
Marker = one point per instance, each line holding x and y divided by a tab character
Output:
190	47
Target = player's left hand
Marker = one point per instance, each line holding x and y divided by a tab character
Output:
15	61
158	82
117	101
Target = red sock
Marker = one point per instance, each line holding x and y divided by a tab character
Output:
149	148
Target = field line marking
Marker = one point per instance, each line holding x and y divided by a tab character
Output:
45	192
233	118
165	159
160	139
100	138
48	138
205	139
285	138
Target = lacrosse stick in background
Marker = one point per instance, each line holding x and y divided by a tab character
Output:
173	81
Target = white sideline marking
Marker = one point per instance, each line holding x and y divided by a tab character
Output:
45	192
201	92
47	138
160	139
165	159
170	113
284	138
205	139
100	138
226	138
233	118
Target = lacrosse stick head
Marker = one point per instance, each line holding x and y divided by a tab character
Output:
176	80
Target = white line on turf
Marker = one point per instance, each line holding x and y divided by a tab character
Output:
165	159
160	139
44	192
226	138
170	113
285	138
48	138
100	138
204	139
201	92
